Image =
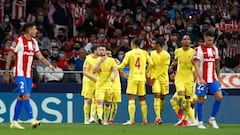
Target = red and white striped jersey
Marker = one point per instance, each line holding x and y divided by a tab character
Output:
233	48
31	18
1	10
207	57
24	50
76	11
18	9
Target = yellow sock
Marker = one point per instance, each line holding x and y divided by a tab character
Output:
106	112
191	113
175	105
161	106
131	110
93	107
144	110
99	111
113	111
187	106
157	107
86	108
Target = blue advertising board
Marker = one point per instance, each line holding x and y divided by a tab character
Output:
68	108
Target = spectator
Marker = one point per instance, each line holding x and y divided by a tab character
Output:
59	16
63	60
43	41
38	71
70	77
53	76
55	53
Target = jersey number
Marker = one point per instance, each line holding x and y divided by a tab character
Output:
137	63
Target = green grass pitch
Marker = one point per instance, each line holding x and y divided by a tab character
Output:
118	129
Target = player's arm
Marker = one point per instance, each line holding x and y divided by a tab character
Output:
196	64
87	74
115	73
97	67
173	64
175	61
44	60
122	74
150	64
124	62
217	65
7	66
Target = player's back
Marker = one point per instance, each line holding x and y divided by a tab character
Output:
137	61
185	67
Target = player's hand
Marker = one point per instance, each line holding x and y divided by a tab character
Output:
95	79
151	81
103	58
202	82
52	67
6	77
112	79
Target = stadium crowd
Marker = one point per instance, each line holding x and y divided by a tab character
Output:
67	29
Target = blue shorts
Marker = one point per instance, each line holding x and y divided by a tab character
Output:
24	85
211	87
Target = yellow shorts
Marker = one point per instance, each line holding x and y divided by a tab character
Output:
136	88
103	94
160	87
188	87
116	95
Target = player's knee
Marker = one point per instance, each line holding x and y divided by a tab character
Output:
156	95
99	102
26	97
107	104
141	98
181	93
187	97
162	97
88	101
201	100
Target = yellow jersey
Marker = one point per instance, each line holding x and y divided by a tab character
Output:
161	62
185	68
137	60
105	72
89	63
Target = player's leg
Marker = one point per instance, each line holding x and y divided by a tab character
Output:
93	113
200	92
89	94
191	113
99	95
180	90
131	91
187	102
176	108
107	103
164	91
141	91
86	110
106	112
156	91
116	99
215	88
